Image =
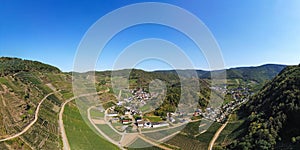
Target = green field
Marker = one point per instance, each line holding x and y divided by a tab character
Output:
139	143
96	113
109	132
153	118
187	140
163	133
186	143
79	134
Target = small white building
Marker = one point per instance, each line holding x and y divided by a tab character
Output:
125	121
112	115
140	124
120	103
172	119
159	124
127	112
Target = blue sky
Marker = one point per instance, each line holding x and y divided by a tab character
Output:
249	33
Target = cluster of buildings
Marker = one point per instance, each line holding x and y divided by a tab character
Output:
140	94
240	95
138	98
147	124
128	119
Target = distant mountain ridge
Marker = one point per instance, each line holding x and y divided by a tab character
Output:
258	74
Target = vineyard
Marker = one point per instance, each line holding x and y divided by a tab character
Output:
162	133
186	143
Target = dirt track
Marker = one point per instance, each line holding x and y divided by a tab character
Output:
32	123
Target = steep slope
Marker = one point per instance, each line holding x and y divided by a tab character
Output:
258	74
14	65
24	85
273	115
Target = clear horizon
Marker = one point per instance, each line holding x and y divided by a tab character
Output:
249	33
157	69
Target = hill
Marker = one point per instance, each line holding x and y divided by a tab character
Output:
272	116
24	84
28	87
258	74
14	65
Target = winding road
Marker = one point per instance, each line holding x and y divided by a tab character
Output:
217	134
134	136
153	142
32	123
118	144
103	134
66	145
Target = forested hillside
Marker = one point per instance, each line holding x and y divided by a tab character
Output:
14	65
273	114
258	74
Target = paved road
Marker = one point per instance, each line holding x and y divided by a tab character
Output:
169	136
154	143
109	124
103	134
136	135
66	145
32	123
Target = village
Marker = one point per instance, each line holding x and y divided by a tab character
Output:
240	95
128	112
126	115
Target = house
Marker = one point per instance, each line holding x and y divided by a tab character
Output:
113	114
120	103
140	124
125	121
127	112
172	119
